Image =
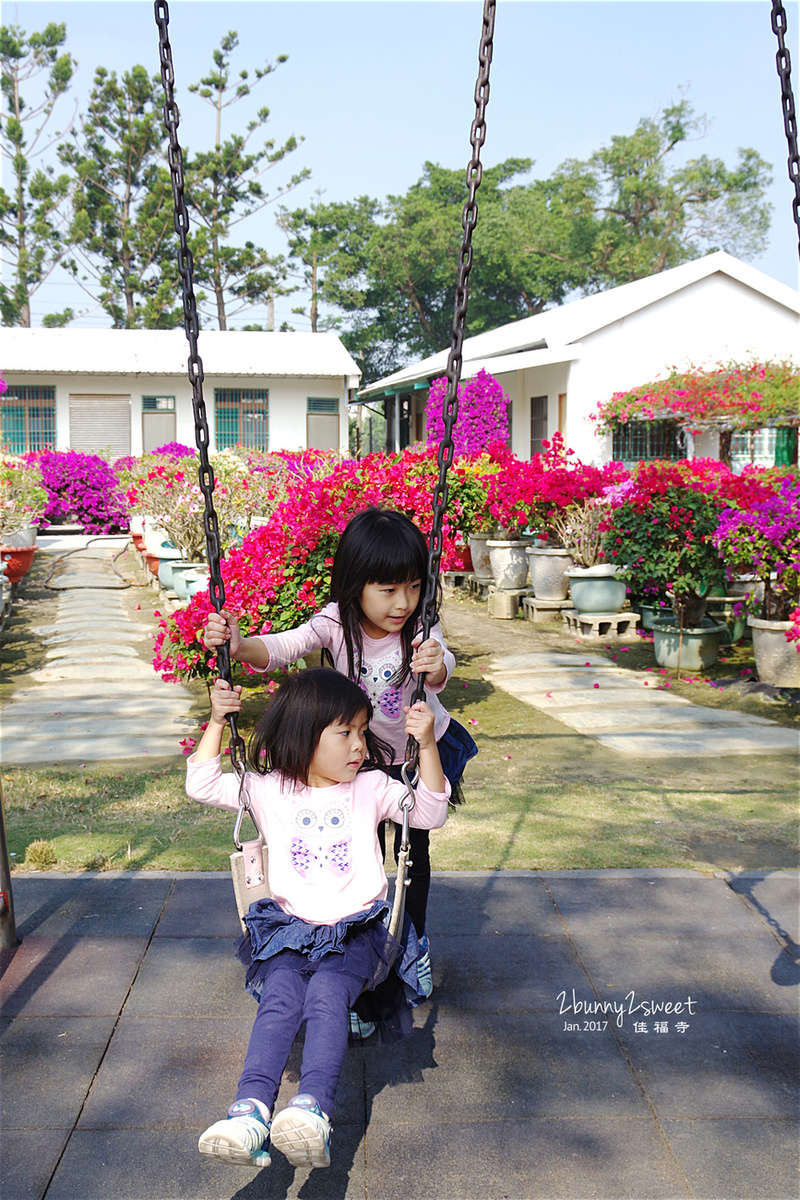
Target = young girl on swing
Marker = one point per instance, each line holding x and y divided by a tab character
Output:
371	633
317	794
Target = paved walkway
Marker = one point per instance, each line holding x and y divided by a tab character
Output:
96	698
125	1025
631	715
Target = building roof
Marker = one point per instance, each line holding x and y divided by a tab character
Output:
552	336
166	351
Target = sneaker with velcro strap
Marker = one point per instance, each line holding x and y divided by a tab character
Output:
302	1133
241	1140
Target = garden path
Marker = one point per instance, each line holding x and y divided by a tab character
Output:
96	696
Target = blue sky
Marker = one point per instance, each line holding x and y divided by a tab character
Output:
377	87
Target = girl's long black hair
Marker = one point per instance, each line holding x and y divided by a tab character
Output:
379	545
287	735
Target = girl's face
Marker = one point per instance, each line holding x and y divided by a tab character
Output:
387	606
340	751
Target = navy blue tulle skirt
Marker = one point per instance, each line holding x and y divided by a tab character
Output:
387	967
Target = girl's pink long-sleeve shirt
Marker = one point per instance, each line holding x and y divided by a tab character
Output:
324	859
382	658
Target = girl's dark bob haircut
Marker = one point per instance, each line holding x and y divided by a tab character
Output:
379	545
287	736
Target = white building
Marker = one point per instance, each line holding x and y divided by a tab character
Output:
558	366
116	391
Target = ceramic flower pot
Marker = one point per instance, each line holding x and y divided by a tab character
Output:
196	581
596	589
167	559
777	660
18	560
179	580
154	537
722	610
549	573
21	537
699	649
479	551
655	614
509	563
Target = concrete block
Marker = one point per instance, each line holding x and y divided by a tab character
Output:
596	627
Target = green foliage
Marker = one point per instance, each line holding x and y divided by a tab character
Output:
31	216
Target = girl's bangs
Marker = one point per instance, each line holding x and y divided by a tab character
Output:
397	557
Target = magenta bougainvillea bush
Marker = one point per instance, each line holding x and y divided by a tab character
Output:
764	540
730	395
82	490
482	414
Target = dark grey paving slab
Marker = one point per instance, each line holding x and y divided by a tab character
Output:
165	1165
524	1160
504	974
737	1159
695	906
202	907
490	903
88	905
723	1065
27	1160
70	976
190	977
476	1067
168	1073
739	974
774	896
48	1066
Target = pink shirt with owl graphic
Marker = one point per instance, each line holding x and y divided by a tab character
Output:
324	858
382	658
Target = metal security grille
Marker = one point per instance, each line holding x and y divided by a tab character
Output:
158	404
322	404
28	419
241	418
640	440
538	423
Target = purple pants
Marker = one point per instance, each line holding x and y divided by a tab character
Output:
295	991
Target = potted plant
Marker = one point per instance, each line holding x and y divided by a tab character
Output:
469	506
23	500
660	529
593	583
764	541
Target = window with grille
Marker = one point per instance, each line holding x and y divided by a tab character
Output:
755	447
158	404
640	440
538	423
241	418
28	419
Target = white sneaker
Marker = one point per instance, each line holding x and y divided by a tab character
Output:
360	1029
242	1140
302	1133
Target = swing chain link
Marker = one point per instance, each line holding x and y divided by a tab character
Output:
454	361
195	365
784	65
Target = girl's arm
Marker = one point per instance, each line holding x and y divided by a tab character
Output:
224	700
223	627
419	724
434	659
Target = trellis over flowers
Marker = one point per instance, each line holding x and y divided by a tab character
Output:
731	397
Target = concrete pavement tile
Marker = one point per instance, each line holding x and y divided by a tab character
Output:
203	907
490	904
546	1159
88	726
467	1068
70	976
91	905
692	906
733	973
774	896
528	681
90	648
541	659
681	744
737	1159
76	689
107	749
691	719
505	974
555	698
48	1067
170	1073
723	1065
176	976
165	1165
27	1160
52	702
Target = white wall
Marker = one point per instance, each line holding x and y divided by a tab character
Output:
287	402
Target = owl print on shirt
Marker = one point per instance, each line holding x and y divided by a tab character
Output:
321	840
375	676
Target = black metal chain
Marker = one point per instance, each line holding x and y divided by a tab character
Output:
216	587
454	361
784	65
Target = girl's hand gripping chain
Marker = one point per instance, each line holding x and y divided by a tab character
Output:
420	725
224	700
223	627
428	659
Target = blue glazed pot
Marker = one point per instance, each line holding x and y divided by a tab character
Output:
596	589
